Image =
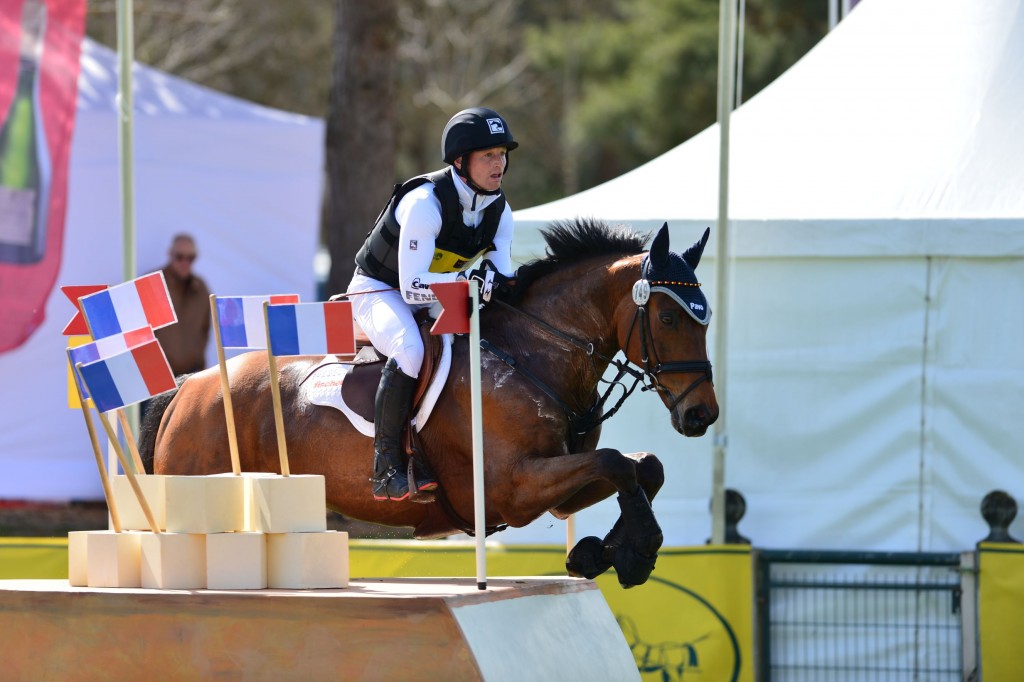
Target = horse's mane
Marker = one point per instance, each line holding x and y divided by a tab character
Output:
570	241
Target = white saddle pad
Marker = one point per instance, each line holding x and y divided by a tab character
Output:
323	387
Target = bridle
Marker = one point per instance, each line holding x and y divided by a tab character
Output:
652	365
645	376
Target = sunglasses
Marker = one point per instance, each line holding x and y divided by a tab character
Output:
188	257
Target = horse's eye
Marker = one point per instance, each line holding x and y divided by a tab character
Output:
668	319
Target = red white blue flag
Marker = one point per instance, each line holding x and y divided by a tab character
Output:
128	377
312	329
141	302
240	319
104	348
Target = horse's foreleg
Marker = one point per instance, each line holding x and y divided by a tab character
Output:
650	475
633	542
538	484
569	482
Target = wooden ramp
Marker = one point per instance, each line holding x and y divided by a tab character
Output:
388	629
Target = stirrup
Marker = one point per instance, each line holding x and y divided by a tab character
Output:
422	493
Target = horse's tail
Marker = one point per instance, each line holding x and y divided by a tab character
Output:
150	425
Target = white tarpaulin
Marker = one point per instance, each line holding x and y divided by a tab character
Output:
877	298
244	179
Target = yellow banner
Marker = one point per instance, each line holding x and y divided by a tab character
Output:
73	402
33	558
1001	610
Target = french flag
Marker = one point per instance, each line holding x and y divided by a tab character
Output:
142	302
128	377
240	319
111	345
312	329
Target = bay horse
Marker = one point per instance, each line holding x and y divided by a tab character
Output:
546	348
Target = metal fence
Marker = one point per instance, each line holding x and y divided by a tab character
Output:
865	616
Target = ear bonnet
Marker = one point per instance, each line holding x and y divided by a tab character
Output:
673	274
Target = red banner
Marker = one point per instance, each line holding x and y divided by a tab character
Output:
40	41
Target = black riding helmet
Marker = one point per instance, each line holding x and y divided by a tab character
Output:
473	129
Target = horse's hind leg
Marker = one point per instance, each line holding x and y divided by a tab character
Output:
633	542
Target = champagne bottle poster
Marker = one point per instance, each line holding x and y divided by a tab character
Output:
40	41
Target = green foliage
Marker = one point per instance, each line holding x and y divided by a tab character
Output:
647	72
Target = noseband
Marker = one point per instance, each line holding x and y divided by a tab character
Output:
646	376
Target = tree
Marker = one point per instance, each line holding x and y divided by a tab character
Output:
275	53
648	71
591	88
361	123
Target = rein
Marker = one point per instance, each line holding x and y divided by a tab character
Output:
581	425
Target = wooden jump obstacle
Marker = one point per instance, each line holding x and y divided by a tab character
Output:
400	628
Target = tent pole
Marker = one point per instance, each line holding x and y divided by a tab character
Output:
726	71
741	21
126	145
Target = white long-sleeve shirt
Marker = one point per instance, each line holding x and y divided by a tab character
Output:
419	214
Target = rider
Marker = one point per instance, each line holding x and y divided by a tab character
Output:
431	230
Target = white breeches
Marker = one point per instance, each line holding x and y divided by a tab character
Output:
388	322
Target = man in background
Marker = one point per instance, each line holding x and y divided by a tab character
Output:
185	342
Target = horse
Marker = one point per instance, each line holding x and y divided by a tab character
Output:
545	349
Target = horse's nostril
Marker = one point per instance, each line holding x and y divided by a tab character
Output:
696	416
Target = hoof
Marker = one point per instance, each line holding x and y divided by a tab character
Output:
585	560
632	567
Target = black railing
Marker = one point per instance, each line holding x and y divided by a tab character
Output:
852	616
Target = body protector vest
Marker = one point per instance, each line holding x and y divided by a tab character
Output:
457	244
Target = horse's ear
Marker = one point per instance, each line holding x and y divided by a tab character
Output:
693	254
659	248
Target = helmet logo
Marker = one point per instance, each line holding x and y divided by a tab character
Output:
496	125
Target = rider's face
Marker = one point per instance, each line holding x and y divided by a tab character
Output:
487	167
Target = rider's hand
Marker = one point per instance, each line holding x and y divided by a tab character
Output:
491	281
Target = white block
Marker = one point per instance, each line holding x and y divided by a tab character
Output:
129	511
236	561
78	558
289	504
248	514
112	559
174	561
205	504
299	561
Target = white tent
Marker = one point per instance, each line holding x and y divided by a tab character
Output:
877	296
244	179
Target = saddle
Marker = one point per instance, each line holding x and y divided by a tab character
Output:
360	386
358	379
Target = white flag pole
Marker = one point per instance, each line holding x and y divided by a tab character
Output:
570	533
126	55
726	72
126	146
476	403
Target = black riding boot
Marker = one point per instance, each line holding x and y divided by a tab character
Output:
391	413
